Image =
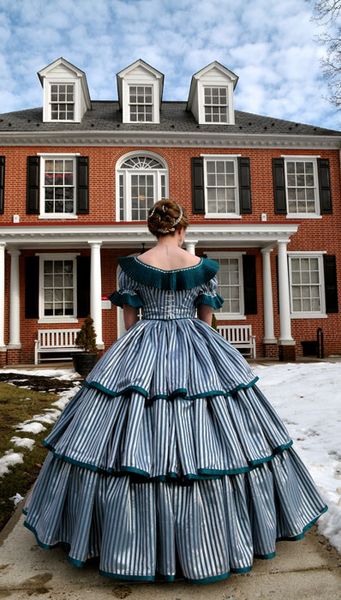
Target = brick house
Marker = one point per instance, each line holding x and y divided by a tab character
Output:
77	178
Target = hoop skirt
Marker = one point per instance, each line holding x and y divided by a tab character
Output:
169	461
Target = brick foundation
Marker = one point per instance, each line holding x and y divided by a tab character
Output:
3	358
270	350
13	356
287	353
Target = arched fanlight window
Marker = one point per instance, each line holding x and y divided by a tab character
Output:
142	181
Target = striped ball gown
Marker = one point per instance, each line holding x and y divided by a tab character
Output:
169	461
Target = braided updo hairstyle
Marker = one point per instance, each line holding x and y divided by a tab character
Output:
165	217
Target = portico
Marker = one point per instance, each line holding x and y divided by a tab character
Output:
125	239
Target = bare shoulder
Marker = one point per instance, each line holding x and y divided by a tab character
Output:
173	259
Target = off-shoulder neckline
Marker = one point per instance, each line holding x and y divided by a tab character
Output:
140	262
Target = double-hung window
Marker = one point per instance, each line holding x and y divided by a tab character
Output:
58	185
141	103
306	284
230	284
142	181
62	101
302	187
221	186
57	287
216	104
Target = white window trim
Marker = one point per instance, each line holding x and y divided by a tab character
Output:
60	216
309	315
126	180
47	98
154	84
303	158
225	316
201	101
210	215
55	256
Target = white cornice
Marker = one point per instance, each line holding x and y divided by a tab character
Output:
171	139
116	235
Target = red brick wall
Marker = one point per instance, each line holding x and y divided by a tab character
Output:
322	234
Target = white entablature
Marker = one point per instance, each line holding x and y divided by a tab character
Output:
129	235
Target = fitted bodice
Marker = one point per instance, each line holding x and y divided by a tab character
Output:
168	304
167	294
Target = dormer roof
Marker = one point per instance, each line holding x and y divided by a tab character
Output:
64	65
137	66
230	76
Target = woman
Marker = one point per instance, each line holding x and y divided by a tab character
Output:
169	461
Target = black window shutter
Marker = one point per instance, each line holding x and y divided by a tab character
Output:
83	286
279	186
32	287
330	283
244	185
33	175
324	186
250	284
2	183
82	185
198	192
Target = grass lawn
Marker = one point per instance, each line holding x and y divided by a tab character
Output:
18	405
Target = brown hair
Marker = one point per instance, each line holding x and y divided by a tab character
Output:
163	216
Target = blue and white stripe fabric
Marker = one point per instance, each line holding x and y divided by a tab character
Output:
169	461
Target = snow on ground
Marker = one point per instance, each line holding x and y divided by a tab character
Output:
57	373
307	396
8	460
23	442
30	427
36	425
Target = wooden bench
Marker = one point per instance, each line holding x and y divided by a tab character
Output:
56	341
241	337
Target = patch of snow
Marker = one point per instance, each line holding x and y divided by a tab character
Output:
65	396
23	442
57	373
17	498
307	396
29	427
8	460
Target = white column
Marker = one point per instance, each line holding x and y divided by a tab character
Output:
14	307
190	246
2	296
285	337
269	335
96	290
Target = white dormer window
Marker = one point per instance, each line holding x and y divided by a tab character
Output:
140	89
215	104
141	103
62	101
211	95
66	93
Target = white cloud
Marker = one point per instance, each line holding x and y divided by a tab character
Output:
269	44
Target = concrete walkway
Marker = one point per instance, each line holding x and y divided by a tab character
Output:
309	569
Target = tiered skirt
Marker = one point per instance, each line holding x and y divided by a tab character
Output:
170	462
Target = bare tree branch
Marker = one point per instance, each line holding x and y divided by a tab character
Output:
327	13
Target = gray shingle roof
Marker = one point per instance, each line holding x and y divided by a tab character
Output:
106	116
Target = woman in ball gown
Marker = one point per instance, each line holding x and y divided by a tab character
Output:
169	461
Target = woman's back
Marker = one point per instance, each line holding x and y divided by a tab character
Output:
168	258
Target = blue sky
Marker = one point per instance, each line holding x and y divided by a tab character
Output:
269	44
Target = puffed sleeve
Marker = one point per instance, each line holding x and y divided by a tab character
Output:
126	294
208	294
